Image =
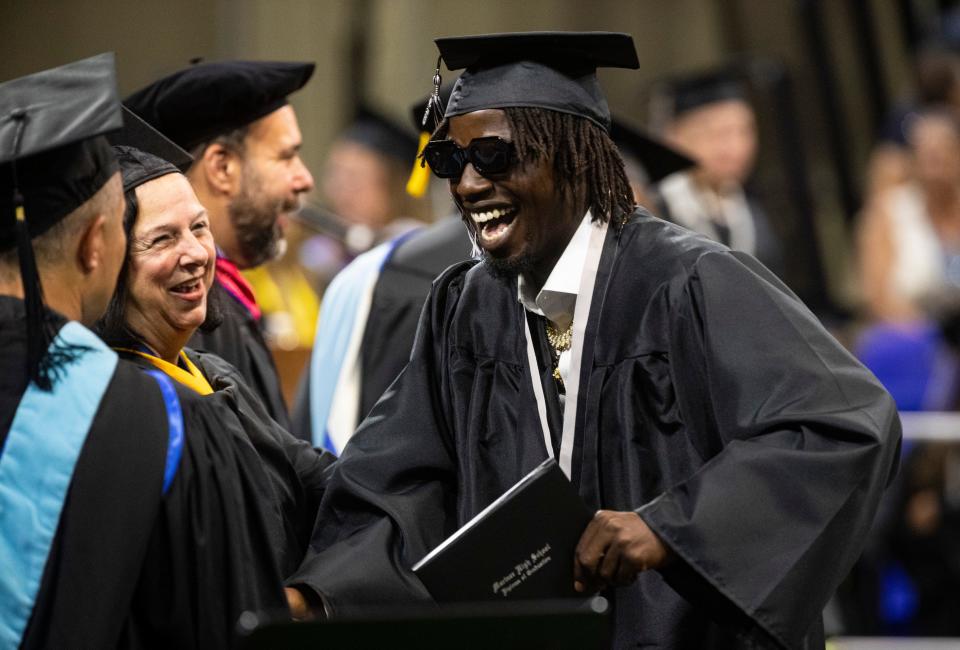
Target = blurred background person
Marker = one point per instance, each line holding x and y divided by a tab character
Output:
909	235
909	260
708	117
364	180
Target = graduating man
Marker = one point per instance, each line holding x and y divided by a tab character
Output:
735	452
379	309
114	525
234	118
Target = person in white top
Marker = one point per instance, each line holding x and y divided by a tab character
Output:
909	236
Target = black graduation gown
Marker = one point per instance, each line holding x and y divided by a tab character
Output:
239	341
712	402
296	472
130	567
398	297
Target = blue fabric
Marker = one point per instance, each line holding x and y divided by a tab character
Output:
913	363
174	425
36	468
338	314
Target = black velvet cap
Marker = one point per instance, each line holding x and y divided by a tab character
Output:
206	100
138	134
139	167
552	70
381	134
50	137
688	92
658	159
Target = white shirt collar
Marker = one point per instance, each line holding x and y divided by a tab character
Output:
558	297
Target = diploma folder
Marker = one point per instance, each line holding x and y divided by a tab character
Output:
519	547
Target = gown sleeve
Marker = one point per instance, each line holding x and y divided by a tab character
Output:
798	441
392	496
298	471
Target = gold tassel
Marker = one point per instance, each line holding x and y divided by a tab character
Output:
420	176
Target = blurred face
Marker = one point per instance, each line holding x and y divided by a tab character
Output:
171	264
273	184
356	184
722	138
521	221
936	150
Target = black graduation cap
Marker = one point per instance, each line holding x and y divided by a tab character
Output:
687	92
552	70
378	132
53	159
196	104
658	160
139	135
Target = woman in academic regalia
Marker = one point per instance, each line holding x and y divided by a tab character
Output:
160	301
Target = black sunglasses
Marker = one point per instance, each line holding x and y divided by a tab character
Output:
490	155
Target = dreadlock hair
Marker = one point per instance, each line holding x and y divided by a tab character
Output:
587	166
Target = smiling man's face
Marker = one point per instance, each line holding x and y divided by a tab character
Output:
521	219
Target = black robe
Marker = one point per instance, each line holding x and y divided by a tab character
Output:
712	402
239	341
296	471
398	297
130	567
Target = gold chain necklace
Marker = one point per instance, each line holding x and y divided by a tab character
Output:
560	342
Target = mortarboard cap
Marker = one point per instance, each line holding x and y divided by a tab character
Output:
138	134
688	92
199	103
658	160
552	70
49	127
53	159
381	134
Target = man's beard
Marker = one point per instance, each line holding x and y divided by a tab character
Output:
503	270
506	270
254	216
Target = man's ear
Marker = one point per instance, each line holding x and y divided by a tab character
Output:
92	245
221	168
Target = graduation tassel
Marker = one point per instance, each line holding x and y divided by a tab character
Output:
38	329
42	363
420	176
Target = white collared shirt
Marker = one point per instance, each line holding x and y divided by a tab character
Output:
557	300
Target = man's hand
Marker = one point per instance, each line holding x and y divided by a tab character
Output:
614	548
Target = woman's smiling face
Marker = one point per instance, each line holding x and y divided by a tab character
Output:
171	265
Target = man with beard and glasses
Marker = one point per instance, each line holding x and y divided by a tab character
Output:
734	452
234	118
